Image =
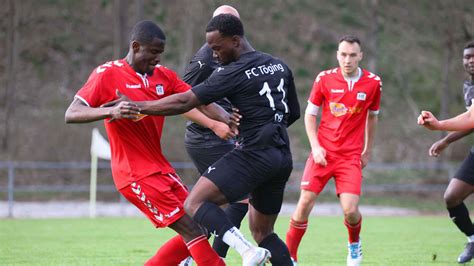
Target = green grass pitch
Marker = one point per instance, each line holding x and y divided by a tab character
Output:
422	240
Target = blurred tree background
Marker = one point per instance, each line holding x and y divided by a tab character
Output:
49	47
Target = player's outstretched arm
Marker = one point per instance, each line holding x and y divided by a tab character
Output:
439	146
175	104
464	121
79	112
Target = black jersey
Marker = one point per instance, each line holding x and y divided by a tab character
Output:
468	92
199	69
262	88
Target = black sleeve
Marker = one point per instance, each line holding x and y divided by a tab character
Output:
293	104
196	72
221	84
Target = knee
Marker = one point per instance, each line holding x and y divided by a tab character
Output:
191	206
352	214
306	202
451	200
260	234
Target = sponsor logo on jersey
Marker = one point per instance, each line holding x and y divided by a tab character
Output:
159	89
139	117
133	86
361	96
337	109
337	90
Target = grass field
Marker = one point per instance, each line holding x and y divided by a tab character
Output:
131	241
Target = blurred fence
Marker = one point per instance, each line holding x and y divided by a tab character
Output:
46	181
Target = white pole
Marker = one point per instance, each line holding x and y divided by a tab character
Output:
93	186
100	148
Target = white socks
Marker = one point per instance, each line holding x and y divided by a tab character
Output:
470	239
234	238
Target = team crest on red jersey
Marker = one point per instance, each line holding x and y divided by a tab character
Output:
361	96
159	89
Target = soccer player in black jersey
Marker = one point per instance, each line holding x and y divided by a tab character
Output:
207	145
262	88
462	184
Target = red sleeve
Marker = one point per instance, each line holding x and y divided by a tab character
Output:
96	91
177	84
316	97
375	105
181	86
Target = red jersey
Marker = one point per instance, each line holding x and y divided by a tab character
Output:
345	105
135	145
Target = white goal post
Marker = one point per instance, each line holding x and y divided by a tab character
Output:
100	149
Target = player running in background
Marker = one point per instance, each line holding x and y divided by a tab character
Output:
462	183
349	98
204	145
141	173
262	88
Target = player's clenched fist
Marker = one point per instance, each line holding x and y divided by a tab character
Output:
428	120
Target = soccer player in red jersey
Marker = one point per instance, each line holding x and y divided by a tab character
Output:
349	98
141	173
462	183
262	88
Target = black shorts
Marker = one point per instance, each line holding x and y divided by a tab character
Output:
203	157
466	171
261	173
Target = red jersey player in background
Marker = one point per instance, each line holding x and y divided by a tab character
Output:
349	98
141	173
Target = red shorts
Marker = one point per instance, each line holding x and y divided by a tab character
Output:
160	197
347	173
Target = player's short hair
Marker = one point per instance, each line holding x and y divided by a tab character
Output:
227	25
469	45
350	39
145	31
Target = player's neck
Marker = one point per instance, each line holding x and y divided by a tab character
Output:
246	47
352	75
129	60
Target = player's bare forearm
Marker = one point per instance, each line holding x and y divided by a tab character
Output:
310	124
78	112
462	122
172	105
371	127
215	112
456	135
199	118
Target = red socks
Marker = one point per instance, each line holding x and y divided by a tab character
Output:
202	252
353	230
294	235
175	250
171	253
